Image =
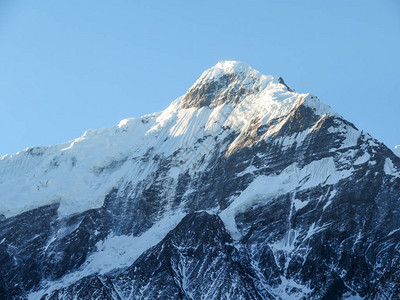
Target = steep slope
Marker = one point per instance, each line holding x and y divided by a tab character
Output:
172	269
299	202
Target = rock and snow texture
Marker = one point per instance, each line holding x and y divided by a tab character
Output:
79	174
241	189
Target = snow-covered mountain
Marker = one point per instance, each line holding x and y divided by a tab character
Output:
241	189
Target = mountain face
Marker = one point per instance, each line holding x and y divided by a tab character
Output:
241	189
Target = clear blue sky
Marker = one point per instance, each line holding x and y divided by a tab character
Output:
67	66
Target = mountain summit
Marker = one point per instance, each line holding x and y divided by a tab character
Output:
227	82
241	189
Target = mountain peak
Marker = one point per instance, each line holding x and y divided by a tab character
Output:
227	82
232	66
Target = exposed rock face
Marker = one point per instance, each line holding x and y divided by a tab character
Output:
195	260
241	189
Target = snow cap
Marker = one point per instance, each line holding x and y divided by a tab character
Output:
226	82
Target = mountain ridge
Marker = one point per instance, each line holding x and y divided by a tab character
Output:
121	137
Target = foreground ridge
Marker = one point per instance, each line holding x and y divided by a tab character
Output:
242	188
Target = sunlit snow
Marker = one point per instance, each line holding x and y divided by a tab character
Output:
79	174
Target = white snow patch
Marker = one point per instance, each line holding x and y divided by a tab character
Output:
265	188
349	296
351	135
174	172
333	193
122	251
287	243
319	107
393	231
235	67
315	229
115	252
297	138
298	204
70	173
390	169
362	159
